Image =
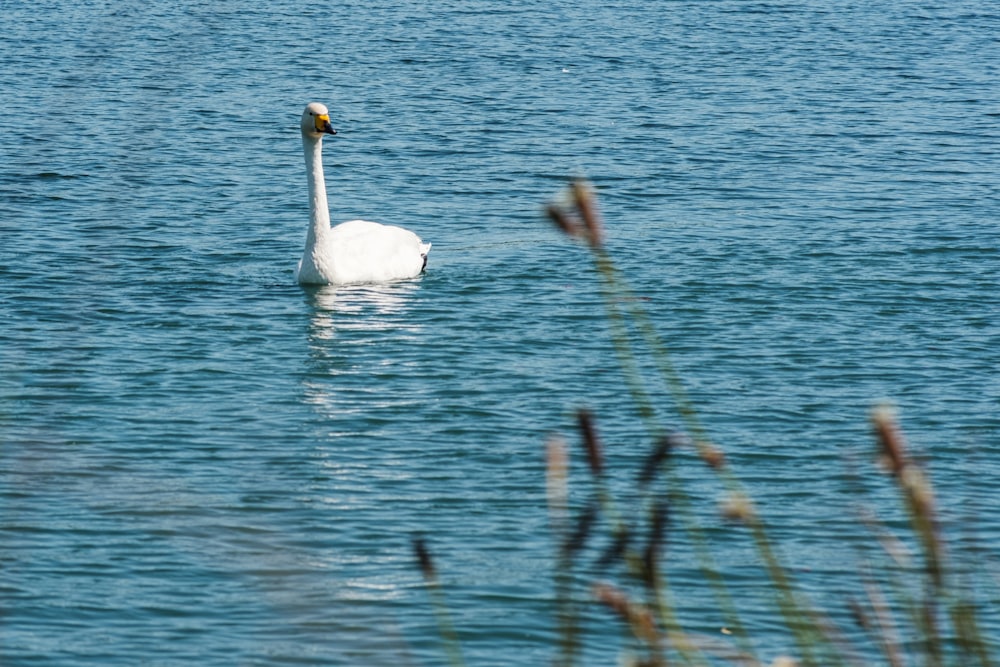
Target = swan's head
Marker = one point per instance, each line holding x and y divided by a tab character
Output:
316	121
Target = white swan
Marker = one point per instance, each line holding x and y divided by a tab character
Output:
357	251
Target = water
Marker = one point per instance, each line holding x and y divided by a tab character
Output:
203	462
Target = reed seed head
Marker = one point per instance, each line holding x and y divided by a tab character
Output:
915	481
585	420
890	439
659	519
578	216
711	455
586	206
423	557
616	550
896	549
738	507
612	597
660	452
639	618
564	221
556	484
858	613
784	661
576	541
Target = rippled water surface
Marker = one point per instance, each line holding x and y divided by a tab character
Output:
203	463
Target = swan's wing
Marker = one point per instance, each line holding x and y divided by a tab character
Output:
366	251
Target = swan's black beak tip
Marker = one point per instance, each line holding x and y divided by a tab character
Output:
328	129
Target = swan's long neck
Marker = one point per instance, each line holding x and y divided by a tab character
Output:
319	211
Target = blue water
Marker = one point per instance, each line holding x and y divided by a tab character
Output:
203	463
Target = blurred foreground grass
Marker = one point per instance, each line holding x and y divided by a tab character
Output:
907	610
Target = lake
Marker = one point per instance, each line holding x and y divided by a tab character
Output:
202	462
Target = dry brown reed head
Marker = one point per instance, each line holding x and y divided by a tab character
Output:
582	220
738	507
586	206
711	455
638	618
915	486
563	220
556	478
914	479
664	446
658	521
894	456
784	661
423	558
585	421
576	540
616	550
890	439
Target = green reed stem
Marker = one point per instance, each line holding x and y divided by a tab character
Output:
969	637
568	612
617	291
708	567
445	626
612	296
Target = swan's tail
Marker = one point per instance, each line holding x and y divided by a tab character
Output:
424	249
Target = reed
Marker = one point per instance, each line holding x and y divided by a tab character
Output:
445	626
906	614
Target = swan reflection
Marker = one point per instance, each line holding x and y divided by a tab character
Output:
359	337
360	308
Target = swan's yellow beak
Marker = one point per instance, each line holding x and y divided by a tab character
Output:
323	124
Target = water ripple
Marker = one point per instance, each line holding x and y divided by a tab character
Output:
205	463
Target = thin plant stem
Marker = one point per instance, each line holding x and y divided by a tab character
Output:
445	626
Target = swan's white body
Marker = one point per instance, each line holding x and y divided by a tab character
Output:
357	251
